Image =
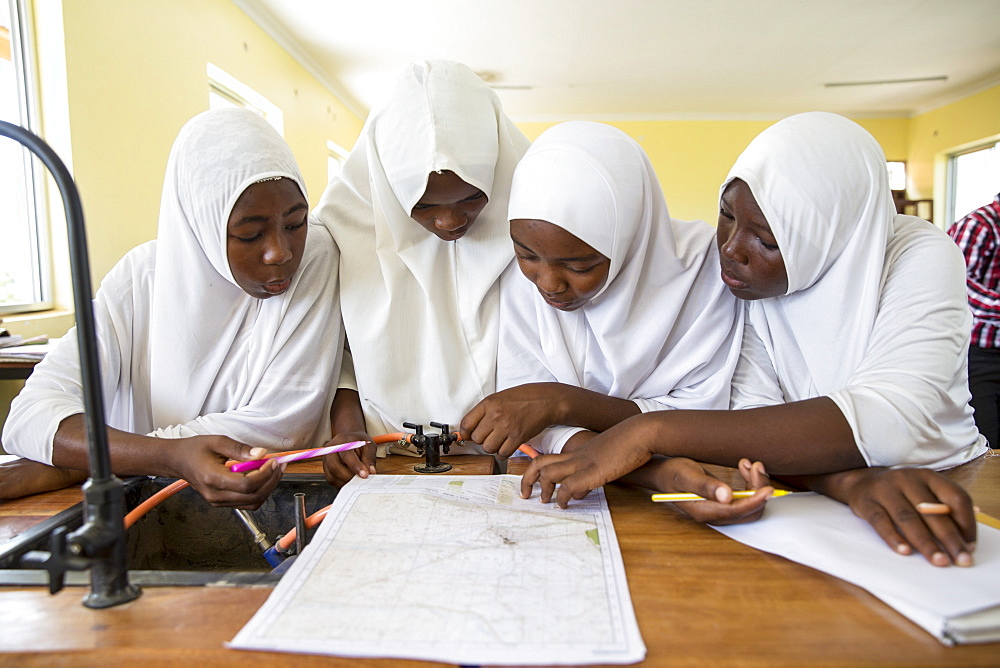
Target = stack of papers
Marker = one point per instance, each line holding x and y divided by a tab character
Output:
458	569
955	605
27	350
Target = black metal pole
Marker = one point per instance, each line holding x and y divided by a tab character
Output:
102	538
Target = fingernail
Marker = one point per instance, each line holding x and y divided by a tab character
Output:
940	559
362	473
903	549
963	559
258	453
371	469
720	495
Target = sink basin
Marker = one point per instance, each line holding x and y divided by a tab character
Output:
183	540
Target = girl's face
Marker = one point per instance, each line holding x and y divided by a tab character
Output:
266	236
752	266
566	271
449	206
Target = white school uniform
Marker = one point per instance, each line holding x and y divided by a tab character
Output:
875	316
184	350
421	314
664	331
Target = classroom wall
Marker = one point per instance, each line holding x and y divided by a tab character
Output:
136	72
933	135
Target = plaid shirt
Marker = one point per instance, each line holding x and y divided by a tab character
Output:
978	235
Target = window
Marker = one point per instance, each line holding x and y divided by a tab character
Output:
336	156
897	174
225	90
24	276
973	179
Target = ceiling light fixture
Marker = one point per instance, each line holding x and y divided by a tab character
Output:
884	81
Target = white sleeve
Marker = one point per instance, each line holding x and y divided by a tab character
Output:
907	403
552	440
54	390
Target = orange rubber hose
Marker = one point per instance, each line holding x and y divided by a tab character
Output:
140	511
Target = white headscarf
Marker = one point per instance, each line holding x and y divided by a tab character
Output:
664	327
822	184
875	316
201	320
421	313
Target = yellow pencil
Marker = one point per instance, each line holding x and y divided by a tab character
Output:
741	494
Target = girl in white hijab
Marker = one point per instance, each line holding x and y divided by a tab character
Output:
222	334
657	329
419	214
854	350
614	309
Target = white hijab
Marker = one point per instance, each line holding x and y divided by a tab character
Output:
664	327
201	321
821	181
421	314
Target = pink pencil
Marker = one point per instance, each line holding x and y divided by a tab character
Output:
243	467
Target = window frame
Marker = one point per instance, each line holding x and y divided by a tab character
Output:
23	57
951	180
228	87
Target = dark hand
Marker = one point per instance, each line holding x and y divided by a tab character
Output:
340	467
588	467
503	421
201	460
679	474
21	477
889	498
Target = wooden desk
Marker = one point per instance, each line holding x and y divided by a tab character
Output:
700	598
17	370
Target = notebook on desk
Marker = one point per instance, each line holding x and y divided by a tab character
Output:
955	605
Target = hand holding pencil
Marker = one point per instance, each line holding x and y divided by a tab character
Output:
687	486
943	528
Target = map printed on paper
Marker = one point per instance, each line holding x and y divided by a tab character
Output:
455	568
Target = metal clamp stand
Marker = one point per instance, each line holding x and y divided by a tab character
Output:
431	446
100	544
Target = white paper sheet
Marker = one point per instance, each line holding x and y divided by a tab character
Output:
457	569
818	532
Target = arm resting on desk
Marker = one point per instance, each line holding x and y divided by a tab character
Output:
23	477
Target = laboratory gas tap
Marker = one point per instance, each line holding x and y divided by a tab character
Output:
430	446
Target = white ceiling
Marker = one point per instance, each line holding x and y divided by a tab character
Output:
655	59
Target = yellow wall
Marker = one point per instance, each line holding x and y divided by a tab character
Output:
935	134
136	72
692	158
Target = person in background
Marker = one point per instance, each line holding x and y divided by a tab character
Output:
978	235
419	213
613	309
217	340
854	356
